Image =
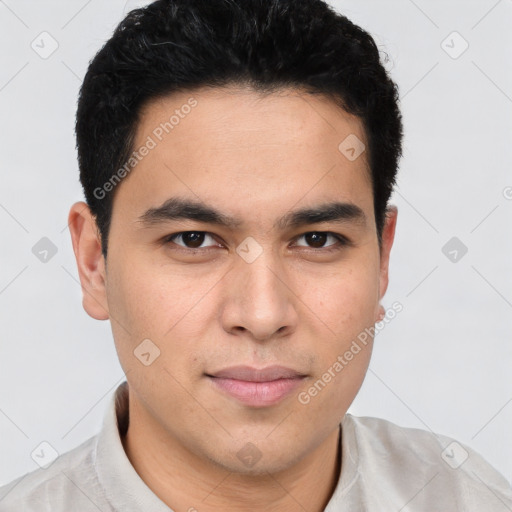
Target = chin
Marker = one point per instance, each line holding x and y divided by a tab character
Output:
251	461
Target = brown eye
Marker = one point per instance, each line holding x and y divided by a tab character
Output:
190	239
318	239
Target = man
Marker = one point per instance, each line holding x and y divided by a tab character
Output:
237	159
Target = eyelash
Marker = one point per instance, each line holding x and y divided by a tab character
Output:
342	241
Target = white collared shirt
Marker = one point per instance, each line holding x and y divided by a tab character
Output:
384	468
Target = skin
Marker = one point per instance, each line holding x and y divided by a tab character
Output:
254	157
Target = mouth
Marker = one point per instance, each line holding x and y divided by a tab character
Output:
257	387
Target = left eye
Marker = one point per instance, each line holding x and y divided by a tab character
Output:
318	238
195	239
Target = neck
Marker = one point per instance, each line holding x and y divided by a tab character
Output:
183	481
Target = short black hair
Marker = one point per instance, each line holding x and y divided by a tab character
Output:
181	45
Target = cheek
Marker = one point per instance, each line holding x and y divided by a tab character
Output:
154	299
162	305
342	360
344	301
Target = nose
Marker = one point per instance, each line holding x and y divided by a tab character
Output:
260	300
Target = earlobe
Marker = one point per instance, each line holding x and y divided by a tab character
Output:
89	259
381	314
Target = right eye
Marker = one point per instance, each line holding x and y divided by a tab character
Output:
191	240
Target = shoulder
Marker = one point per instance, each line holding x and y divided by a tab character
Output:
55	487
438	468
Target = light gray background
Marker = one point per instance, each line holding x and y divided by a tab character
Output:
444	363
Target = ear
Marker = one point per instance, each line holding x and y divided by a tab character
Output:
90	261
388	236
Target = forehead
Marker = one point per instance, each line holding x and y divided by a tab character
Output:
230	115
233	146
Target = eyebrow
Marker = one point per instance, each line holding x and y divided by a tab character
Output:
177	208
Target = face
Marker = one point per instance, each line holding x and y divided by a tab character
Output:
249	315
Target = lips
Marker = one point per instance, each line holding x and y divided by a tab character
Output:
257	387
250	374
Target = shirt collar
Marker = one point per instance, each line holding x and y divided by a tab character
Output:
123	487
